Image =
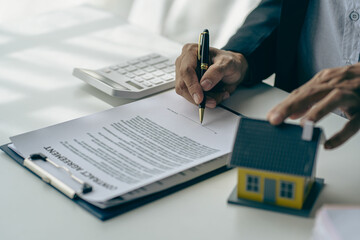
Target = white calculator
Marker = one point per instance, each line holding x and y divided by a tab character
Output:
133	79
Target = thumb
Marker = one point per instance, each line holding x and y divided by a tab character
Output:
212	76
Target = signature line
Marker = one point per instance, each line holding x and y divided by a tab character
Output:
209	129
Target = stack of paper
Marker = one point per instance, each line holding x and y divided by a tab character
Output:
135	149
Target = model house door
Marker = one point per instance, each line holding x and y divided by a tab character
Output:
269	190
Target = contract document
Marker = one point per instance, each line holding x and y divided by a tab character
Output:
127	148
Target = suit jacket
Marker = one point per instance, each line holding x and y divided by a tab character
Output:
269	40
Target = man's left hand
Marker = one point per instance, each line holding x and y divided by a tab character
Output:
326	91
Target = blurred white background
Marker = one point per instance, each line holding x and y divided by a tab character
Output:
180	20
43	40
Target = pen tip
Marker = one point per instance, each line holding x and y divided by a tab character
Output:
201	114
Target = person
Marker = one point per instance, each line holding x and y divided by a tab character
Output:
313	48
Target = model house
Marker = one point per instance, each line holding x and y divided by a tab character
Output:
276	164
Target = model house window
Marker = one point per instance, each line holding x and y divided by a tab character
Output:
252	183
287	189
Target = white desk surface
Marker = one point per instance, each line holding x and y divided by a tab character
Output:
37	90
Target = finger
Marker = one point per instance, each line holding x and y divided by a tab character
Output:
212	77
299	114
215	98
230	88
219	94
303	98
297	103
210	102
219	70
186	73
192	84
291	106
336	98
348	131
182	90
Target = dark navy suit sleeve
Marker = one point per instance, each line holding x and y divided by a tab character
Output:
256	40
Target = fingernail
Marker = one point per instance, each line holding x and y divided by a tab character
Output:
206	84
327	145
196	98
275	118
211	103
304	120
226	95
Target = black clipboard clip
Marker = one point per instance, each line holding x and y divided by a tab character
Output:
52	180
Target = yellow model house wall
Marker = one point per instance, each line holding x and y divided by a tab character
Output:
299	182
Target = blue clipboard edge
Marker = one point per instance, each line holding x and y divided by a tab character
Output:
108	213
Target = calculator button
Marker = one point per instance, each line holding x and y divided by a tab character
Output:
154	55
139	72
158	73
144	58
147	84
106	70
130	68
114	67
130	75
169	69
138	79
141	65
147	76
132	62
160	66
121	71
167	62
156	60
123	65
150	69
167	78
156	81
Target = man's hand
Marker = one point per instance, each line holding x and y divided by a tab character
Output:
326	91
228	67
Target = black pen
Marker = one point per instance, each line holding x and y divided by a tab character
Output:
204	62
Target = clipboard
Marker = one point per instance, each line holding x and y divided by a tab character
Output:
108	213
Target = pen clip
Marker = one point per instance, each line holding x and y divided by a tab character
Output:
199	46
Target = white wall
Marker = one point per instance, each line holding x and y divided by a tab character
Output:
17	9
183	20
180	20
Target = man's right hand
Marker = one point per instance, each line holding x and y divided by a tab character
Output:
226	67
